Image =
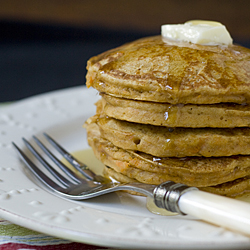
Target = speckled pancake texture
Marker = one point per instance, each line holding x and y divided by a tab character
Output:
175	142
153	69
205	173
222	115
173	111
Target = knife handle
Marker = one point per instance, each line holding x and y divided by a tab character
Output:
222	211
219	210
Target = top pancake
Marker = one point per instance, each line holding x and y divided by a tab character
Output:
157	70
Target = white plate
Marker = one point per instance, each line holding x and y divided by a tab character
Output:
115	220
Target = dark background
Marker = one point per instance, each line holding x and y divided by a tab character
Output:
44	45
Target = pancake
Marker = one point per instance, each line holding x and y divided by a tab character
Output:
230	189
173	111
226	115
192	171
174	142
155	69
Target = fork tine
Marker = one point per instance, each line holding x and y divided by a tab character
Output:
35	170
63	167
79	166
55	173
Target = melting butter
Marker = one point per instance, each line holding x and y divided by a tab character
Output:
198	32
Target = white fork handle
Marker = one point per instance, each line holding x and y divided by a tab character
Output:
227	212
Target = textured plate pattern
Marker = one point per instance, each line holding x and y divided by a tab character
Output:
115	220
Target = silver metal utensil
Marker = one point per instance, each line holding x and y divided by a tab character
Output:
83	184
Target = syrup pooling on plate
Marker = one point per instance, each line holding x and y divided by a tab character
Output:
156	210
87	157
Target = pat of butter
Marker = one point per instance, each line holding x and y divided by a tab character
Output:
199	32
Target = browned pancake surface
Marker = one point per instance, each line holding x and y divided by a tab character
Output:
230	189
164	114
175	142
151	85
193	171
155	70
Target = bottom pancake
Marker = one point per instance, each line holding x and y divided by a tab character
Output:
230	189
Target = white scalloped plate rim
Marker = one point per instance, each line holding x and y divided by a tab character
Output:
113	220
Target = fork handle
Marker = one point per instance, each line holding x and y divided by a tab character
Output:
222	211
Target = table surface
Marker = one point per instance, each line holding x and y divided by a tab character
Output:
14	237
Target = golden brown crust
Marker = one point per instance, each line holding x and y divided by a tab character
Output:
193	171
175	142
179	115
229	189
155	70
142	79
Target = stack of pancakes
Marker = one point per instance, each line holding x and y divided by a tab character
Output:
173	111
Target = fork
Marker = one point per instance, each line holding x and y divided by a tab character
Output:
82	184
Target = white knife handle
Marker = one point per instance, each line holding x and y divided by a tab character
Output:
226	212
